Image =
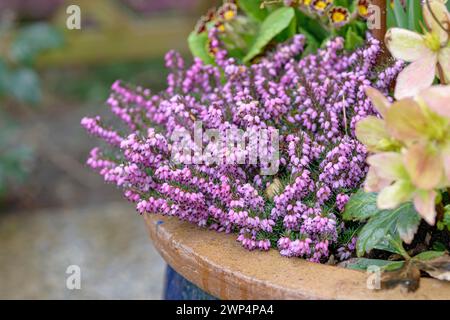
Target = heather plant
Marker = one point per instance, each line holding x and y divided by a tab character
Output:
313	102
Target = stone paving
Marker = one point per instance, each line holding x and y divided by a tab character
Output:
109	243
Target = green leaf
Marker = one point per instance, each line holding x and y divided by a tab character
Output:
352	40
276	22
312	45
385	228
32	40
400	15
408	221
414	15
252	8
198	43
311	25
428	255
361	206
390	17
382	230
364	263
24	85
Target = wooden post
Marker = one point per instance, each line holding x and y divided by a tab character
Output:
379	33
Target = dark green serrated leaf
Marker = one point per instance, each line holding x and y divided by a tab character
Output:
276	22
252	8
385	228
361	206
381	231
408	221
198	43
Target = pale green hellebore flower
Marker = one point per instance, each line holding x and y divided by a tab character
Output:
427	52
417	162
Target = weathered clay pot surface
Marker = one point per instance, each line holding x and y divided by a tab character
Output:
220	266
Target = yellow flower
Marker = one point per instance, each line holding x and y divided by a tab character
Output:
229	15
321	6
338	16
363	8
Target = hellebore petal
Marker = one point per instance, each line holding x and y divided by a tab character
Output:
437	98
444	62
440	12
388	166
374	183
406	122
424	166
371	131
424	202
379	101
405	45
397	193
417	76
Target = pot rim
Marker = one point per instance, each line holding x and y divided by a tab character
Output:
217	264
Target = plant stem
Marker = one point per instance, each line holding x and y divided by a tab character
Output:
440	211
441	74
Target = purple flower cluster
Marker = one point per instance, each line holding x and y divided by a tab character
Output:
314	103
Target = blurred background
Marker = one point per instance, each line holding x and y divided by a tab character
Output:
54	212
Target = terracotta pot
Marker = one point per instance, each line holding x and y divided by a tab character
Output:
217	264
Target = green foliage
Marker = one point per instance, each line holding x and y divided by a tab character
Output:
384	229
248	36
14	158
198	44
252	8
18	80
445	223
276	22
24	85
414	11
409	17
429	255
364	263
401	17
33	40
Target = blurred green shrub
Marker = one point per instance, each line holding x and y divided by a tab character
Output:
18	79
19	83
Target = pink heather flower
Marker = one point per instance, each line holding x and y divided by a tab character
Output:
319	152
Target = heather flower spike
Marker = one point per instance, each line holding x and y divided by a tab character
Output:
429	53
